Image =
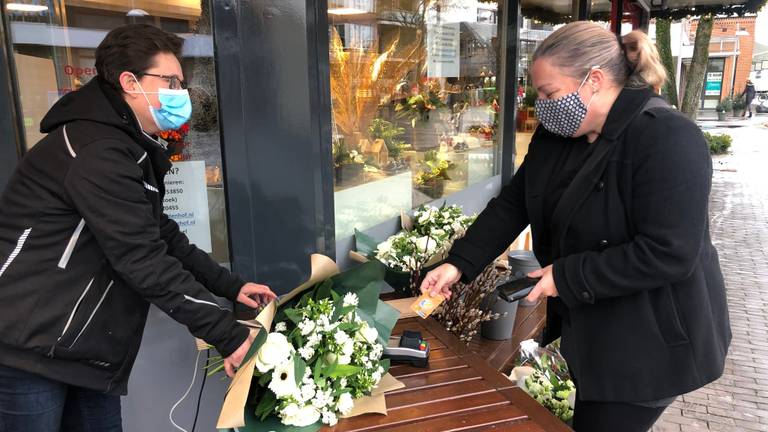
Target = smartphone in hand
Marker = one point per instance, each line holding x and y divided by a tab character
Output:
517	289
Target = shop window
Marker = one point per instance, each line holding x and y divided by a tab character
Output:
54	53
415	103
539	21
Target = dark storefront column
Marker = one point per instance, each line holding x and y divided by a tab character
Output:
272	60
9	136
513	19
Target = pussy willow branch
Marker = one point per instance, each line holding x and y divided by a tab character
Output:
463	313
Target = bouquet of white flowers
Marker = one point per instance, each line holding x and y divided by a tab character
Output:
323	355
426	238
424	242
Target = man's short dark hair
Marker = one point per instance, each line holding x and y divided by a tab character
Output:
132	48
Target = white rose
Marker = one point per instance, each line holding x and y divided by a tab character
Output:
345	403
422	243
304	416
348	348
289	411
276	350
385	247
367	334
283	382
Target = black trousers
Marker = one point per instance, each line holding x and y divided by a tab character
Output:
614	417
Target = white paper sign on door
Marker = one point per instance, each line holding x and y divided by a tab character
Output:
186	202
443	50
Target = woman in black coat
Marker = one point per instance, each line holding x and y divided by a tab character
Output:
615	187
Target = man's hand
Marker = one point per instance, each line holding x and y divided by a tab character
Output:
233	362
440	280
546	286
254	295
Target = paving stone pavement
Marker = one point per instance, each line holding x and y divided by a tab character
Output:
739	222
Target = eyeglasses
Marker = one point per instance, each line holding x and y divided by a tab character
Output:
174	82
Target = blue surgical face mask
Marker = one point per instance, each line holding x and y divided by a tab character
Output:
175	108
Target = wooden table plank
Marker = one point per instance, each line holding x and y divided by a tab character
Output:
458	391
535	410
410	415
502	355
479	420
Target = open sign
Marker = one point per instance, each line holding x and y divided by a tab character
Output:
77	71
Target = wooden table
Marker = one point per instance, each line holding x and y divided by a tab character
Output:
459	391
501	355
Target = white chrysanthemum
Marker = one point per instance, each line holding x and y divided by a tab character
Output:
341	337
313	340
307	392
283	382
329	418
303	416
322	399
376	376
345	403
306	327
275	351
306	352
281	327
350	299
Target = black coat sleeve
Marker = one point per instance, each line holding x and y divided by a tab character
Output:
216	278
668	209
107	189
497	226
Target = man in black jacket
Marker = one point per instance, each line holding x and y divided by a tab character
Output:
749	95
85	246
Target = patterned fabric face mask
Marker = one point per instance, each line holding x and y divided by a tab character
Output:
563	116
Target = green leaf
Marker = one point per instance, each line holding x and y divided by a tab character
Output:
365	244
336	297
339	371
355	279
293	315
266	405
383	320
264	379
258	341
341	311
299	367
272	423
323	290
384	363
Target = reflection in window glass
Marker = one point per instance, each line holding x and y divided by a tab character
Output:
54	53
540	19
414	102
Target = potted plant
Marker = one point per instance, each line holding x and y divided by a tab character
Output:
391	134
722	106
348	164
431	181
739	105
485	131
418	108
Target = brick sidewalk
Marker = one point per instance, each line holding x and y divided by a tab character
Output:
739	222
